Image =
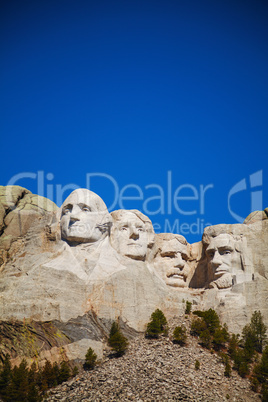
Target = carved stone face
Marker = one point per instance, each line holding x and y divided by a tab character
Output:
170	262
84	217
223	259
129	236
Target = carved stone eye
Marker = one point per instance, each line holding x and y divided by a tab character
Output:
124	228
210	254
86	209
224	252
66	211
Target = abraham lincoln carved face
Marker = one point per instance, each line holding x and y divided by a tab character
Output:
224	260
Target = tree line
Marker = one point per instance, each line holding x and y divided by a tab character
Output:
247	354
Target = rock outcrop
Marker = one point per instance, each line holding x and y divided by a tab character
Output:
80	267
158	370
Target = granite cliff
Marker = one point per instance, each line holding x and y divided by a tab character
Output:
67	273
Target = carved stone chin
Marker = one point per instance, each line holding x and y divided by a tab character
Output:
224	282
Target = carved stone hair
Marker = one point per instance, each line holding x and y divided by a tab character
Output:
160	237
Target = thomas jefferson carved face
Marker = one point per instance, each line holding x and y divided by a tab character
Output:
224	260
84	218
131	233
170	259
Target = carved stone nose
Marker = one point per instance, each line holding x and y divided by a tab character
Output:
74	218
179	263
134	235
216	262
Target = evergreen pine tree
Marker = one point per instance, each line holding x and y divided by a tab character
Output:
48	375
5	376
188	307
179	335
117	341
64	372
228	368
91	358
18	388
157	325
259	330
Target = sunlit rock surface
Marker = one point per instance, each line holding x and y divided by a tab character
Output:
80	268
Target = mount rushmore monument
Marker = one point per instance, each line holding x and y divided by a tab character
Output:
79	267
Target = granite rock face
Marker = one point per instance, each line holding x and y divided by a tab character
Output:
20	212
80	267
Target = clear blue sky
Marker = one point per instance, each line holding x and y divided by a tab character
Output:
134	90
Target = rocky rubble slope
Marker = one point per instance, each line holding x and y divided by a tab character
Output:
157	370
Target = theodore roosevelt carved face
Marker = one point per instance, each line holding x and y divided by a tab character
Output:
84	217
131	234
170	255
224	260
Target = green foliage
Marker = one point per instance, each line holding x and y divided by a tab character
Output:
91	358
75	371
212	320
220	337
209	319
179	335
49	375
197	365
157	325
254	384
264	393
199	313
18	387
22	384
260	375
243	369
205	339
233	345
228	368
64	373
114	328
254	334
117	341
198	325
5	375
225	333
188	307
241	363
209	330
253	339
261	369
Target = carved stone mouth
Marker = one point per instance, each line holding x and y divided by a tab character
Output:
134	244
221	271
176	274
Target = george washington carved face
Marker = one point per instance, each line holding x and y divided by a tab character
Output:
84	217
